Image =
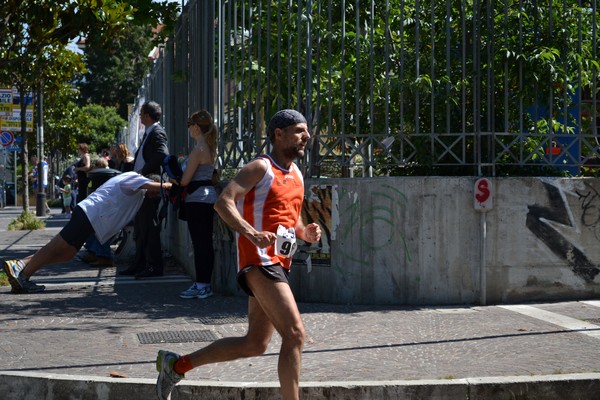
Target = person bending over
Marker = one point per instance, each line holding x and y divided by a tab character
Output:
103	213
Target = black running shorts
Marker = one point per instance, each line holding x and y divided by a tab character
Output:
78	229
274	272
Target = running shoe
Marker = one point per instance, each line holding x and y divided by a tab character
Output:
27	286
194	292
205	292
167	378
12	269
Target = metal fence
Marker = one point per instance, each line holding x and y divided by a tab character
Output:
391	87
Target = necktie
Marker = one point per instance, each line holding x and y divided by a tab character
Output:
140	145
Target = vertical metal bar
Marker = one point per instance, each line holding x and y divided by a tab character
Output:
386	104
476	86
315	157
595	116
402	17
432	71
418	67
551	94
268	51
220	112
520	69
357	40
279	14
506	121
289	51
580	147
330	104
299	101
343	88
371	89
463	69
491	85
308	82
448	67
566	83
257	36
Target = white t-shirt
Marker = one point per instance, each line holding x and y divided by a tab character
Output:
110	207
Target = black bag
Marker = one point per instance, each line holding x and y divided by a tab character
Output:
176	197
180	206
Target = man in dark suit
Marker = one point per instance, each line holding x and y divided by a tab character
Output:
146	225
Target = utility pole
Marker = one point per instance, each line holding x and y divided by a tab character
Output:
40	206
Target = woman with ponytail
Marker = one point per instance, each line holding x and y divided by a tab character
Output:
198	171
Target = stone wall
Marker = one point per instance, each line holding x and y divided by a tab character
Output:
421	240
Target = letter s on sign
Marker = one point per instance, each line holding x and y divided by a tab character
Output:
483	194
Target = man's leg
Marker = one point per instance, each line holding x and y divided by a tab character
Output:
148	245
172	367
19	271
258	337
100	254
273	307
279	306
153	245
55	251
139	238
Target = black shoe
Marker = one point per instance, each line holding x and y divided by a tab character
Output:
131	271
149	273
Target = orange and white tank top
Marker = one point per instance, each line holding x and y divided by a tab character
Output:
275	200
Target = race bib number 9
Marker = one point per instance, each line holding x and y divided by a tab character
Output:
285	245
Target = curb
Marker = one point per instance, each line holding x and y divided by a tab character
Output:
31	385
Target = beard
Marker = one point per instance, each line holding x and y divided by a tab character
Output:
294	152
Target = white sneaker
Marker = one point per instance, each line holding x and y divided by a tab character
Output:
12	269
205	292
167	378
194	293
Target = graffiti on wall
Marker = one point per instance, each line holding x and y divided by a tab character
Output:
540	221
375	223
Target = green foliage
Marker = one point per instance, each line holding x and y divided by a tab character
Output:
34	36
61	120
116	70
67	124
3	279
412	70
26	222
98	126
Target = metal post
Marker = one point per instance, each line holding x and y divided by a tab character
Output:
483	270
40	207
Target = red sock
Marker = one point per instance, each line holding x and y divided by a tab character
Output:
183	365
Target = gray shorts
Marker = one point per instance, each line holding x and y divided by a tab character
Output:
274	272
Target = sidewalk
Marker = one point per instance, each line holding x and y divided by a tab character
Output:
95	335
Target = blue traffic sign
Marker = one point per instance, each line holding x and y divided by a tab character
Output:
6	138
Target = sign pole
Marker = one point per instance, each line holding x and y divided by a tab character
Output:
15	181
40	206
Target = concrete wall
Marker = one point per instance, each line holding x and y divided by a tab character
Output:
420	240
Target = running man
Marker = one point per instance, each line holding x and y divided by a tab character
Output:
262	205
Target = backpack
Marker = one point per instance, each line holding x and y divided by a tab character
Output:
175	195
172	168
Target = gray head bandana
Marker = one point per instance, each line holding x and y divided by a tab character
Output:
284	118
